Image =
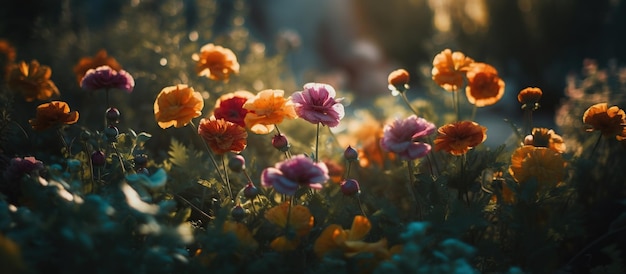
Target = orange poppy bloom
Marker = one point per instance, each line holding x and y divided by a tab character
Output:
100	59
52	114
267	108
458	138
223	136
543	164
7	56
300	223
543	137
484	86
243	234
33	81
449	69
349	241
529	97
610	121
177	105
216	62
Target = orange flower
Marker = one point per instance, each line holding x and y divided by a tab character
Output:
458	138
216	62
7	57
267	108
543	164
543	137
177	105
223	136
484	86
349	241
449	69
529	97
52	114
300	224
100	59
243	234
609	121
398	81
33	81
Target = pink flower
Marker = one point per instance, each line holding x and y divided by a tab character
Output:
297	171
20	166
317	104
104	77
402	137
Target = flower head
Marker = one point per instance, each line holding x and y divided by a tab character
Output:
223	136
298	221
458	138
317	104
33	81
53	114
349	241
402	137
177	105
484	86
543	164
610	121
20	166
292	173
449	69
216	62
543	137
100	59
529	97
398	81
230	107
104	77
267	108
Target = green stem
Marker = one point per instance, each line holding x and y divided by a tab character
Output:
409	164
210	152
358	198
230	190
63	142
406	101
595	146
317	142
119	157
457	104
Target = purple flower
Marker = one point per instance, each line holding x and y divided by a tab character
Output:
18	167
403	137
104	77
297	171
317	104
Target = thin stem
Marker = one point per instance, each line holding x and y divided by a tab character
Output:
64	143
358	198
596	241
230	190
195	207
348	170
119	157
406	101
595	146
473	112
457	104
317	142
409	185
463	186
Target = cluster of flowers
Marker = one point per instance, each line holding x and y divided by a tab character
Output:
225	130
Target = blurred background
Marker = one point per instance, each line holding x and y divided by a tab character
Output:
351	44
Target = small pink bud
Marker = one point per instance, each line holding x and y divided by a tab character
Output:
250	191
351	154
112	116
237	163
280	142
350	187
98	158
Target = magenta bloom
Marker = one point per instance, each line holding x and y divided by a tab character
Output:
104	77
402	137
317	104
18	167
288	175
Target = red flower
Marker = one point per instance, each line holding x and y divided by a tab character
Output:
230	107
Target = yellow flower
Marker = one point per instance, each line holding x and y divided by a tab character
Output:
216	62
177	105
449	69
610	121
300	224
484	86
543	137
52	114
266	109
350	241
543	164
33	81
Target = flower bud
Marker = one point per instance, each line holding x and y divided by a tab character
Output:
112	116
141	161
237	163
529	140
250	191
398	80
350	187
529	97
280	142
350	154
238	213
111	133
98	158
